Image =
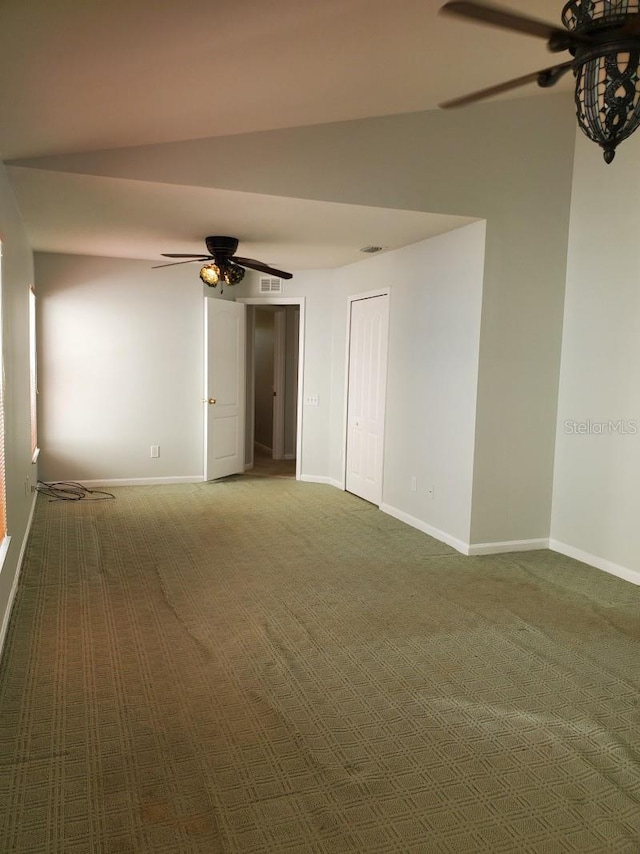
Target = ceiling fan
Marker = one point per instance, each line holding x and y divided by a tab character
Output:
603	38
223	264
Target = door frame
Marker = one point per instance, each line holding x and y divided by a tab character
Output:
275	300
379	292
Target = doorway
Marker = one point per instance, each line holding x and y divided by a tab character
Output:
274	358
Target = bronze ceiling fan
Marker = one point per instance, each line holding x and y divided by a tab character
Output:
603	38
223	264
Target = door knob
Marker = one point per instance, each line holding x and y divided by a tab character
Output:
210	401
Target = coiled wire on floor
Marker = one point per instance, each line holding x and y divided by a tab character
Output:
69	490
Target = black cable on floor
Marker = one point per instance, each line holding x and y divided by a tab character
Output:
71	491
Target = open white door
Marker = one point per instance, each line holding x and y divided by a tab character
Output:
366	378
224	388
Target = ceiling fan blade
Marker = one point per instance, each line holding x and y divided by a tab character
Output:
263	268
495	16
185	255
545	78
175	263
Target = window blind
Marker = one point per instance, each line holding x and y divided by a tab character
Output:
33	372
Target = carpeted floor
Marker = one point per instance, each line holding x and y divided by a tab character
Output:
261	665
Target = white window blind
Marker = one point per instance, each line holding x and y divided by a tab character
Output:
33	372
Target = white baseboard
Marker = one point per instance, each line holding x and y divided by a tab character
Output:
507	546
138	481
623	572
318	478
288	456
12	595
455	543
315	478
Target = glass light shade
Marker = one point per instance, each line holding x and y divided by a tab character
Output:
233	274
579	15
608	98
607	86
210	274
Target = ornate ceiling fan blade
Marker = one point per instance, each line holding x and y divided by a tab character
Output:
496	16
175	263
185	255
263	268
545	78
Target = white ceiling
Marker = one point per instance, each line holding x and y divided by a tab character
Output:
83	76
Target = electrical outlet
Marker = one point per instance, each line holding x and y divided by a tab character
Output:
311	400
155	451
413	484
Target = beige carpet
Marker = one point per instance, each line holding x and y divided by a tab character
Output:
261	665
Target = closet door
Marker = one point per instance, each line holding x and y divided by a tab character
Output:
367	374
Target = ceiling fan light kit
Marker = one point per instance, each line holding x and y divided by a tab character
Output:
603	37
607	91
233	274
210	274
222	262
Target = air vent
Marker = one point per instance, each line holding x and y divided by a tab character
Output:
371	250
270	285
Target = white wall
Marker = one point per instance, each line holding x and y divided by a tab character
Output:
121	368
596	506
17	276
434	336
435	313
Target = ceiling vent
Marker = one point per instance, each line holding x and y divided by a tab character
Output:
371	250
270	285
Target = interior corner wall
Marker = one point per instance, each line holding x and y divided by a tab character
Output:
507	162
120	368
596	503
21	473
434	337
